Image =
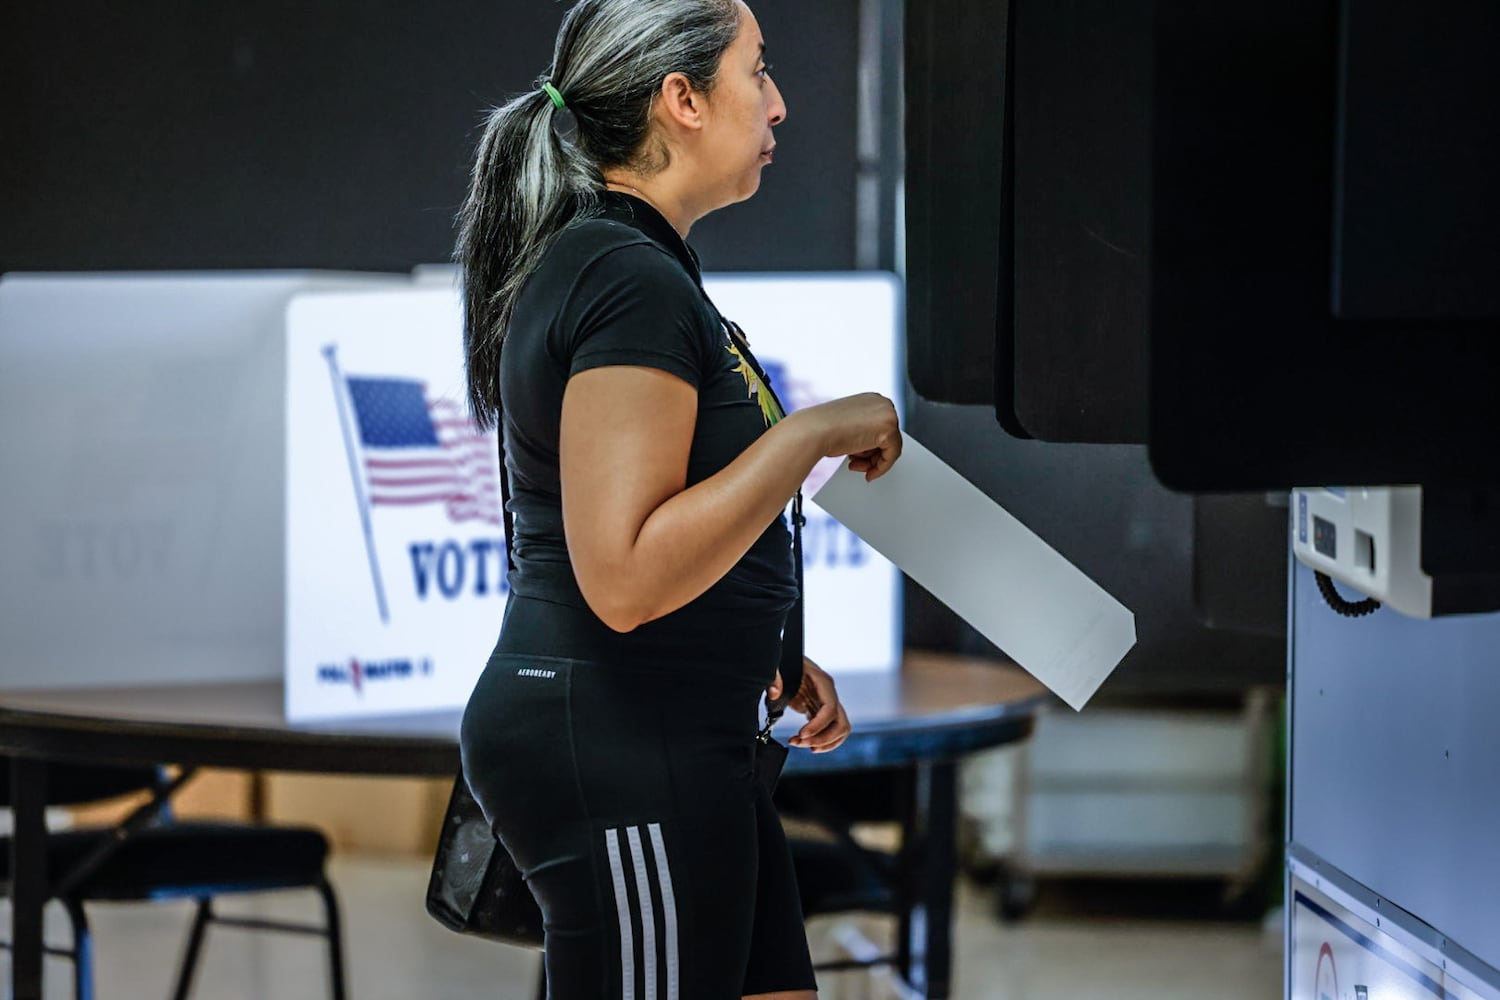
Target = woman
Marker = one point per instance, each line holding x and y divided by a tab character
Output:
611	736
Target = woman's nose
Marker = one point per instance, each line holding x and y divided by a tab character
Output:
776	114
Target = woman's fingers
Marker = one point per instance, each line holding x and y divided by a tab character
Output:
882	459
877	461
829	723
825	716
834	736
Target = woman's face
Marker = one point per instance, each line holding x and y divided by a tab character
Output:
742	109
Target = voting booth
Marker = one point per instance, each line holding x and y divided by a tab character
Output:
142	489
395	549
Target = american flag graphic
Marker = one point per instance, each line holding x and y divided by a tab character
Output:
418	451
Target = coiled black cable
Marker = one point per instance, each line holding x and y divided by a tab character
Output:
1349	609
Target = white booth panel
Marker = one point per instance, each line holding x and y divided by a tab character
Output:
141	475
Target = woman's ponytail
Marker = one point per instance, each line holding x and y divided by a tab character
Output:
525	187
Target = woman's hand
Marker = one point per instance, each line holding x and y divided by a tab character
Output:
863	427
827	723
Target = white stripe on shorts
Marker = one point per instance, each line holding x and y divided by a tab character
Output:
668	906
648	912
622	908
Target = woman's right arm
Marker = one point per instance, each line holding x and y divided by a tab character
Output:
643	543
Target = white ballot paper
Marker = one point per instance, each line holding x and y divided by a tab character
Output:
988	568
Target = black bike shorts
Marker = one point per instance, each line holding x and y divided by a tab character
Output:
625	790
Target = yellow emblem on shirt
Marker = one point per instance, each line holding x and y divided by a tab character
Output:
756	389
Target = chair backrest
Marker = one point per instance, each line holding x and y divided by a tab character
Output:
72	784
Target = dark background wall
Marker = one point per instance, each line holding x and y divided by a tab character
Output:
336	134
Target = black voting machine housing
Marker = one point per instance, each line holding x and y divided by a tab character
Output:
1259	240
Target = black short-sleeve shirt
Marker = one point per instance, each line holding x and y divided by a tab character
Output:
623	288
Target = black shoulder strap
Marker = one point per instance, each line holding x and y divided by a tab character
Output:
792	636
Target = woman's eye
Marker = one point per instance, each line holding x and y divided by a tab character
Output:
763	71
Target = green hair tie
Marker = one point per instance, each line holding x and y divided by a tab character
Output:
557	98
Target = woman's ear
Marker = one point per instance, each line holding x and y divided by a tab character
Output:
681	105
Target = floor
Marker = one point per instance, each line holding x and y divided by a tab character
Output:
1077	944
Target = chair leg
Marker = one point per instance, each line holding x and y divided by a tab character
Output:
335	940
83	951
194	945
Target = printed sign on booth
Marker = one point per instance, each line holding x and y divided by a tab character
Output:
1340	951
395	557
